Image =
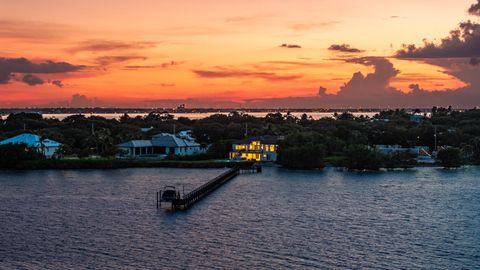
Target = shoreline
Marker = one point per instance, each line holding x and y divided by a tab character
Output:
111	164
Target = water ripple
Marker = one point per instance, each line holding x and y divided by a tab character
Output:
422	219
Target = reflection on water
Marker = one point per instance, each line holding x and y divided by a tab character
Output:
425	218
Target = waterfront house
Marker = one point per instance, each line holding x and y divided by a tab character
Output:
162	145
47	147
261	148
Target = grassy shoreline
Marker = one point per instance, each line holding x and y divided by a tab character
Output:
109	163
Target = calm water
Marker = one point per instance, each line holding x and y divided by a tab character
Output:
422	219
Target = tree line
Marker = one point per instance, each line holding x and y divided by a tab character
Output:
342	140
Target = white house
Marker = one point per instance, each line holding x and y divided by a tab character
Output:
162	145
46	146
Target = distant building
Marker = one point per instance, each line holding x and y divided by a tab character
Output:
421	153
46	147
262	148
162	145
417	118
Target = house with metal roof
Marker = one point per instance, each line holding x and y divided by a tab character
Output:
260	148
47	147
162	145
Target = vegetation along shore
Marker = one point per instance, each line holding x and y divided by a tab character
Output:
390	139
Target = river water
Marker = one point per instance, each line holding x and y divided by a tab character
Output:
426	218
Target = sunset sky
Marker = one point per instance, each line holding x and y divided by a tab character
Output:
217	53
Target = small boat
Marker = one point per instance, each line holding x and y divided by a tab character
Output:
169	194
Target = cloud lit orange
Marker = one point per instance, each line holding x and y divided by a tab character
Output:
225	53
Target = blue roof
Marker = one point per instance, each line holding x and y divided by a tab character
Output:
31	140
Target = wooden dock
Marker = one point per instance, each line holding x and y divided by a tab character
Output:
184	202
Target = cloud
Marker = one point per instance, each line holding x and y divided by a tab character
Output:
162	65
32	80
82	101
322	91
475	9
57	83
109	60
137	67
290	46
192	31
249	18
344	48
364	88
170	64
229	73
110	45
33	31
315	25
167	85
373	90
10	66
474	61
462	42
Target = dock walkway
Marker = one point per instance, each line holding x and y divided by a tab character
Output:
184	202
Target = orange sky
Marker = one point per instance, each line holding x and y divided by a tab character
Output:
136	51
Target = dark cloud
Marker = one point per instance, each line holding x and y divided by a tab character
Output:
290	46
162	65
109	60
110	45
474	61
344	48
322	91
82	101
57	83
32	80
137	67
462	42
10	66
475	9
228	73
170	64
